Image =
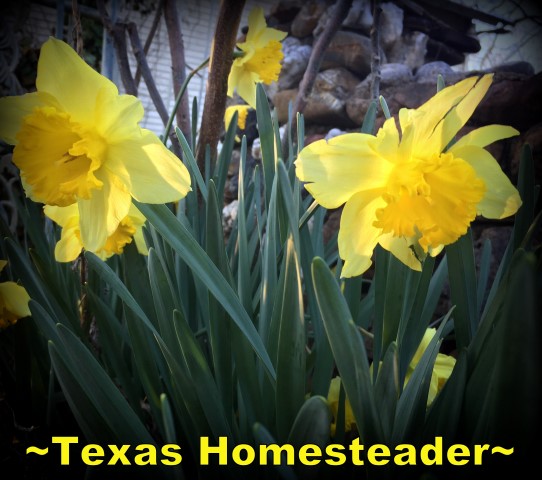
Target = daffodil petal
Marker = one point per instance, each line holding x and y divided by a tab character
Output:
246	86
117	116
400	249
458	116
15	299
151	172
100	216
444	365
62	215
68	248
335	170
484	136
14	109
501	198
357	235
258	33
428	115
66	76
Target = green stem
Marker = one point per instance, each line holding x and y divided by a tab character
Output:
179	97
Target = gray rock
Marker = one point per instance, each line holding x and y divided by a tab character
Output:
307	18
391	24
429	73
349	50
327	102
394	74
359	16
409	50
294	64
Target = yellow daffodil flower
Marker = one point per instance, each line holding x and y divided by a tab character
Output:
13	302
78	141
410	191
70	245
260	62
241	117
333	402
442	369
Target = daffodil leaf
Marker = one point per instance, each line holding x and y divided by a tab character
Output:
189	156
526	187
411	406
348	350
177	235
387	389
264	437
290	389
202	379
244	286
219	325
443	418
168	420
463	287
96	401
267	139
116	347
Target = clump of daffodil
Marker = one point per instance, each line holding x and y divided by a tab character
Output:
442	369
13	302
70	245
260	60
411	190
77	141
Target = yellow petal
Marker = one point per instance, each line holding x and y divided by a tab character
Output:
101	214
444	365
357	235
457	116
339	168
501	198
401	249
69	246
66	76
117	116
15	299
242	112
14	109
484	136
149	170
64	216
429	114
427	337
245	83
258	33
3	263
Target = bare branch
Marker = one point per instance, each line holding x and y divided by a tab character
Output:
178	64
340	10
146	72
117	32
150	37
